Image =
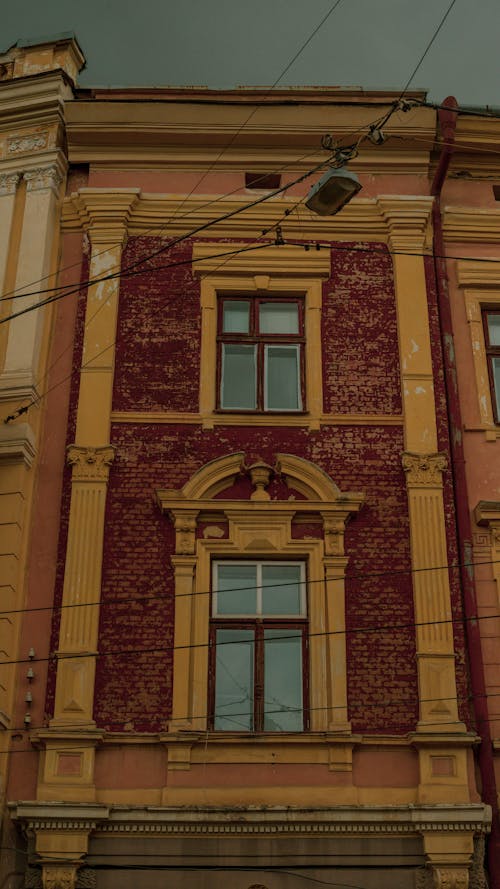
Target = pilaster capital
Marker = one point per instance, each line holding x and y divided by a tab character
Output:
185	532
408	222
334	530
90	464
40	178
105	212
450	877
9	183
424	470
55	876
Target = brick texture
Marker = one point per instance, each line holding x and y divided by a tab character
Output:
157	368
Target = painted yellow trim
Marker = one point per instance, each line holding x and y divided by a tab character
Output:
487	514
175	417
259	527
474	301
254	282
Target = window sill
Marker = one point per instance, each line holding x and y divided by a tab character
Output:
491	433
191	747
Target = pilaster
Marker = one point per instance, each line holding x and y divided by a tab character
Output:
104	216
33	259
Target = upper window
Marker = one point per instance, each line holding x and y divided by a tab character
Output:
258	646
261	344
491	322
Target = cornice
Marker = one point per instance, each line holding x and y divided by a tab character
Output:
31	101
472	273
212	821
403	219
17	444
487	511
193	131
472	224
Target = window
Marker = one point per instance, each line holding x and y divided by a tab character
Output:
261	344
258	639
491	323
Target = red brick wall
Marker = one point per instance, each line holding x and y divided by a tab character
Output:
157	368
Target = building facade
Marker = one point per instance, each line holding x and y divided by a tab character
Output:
249	638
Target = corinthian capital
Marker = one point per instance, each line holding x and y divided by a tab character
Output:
424	470
90	464
8	182
43	177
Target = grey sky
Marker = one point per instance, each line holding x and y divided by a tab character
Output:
226	43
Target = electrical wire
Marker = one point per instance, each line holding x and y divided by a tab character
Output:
352	705
352	631
233	138
428	47
398	572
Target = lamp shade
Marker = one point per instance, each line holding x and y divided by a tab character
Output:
335	188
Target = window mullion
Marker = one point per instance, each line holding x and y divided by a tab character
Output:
259	678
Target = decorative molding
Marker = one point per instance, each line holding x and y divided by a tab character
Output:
90	464
33	142
478	273
58	877
408	221
9	182
286	260
475	224
261	526
401	819
424	470
450	877
44	177
236	419
17	444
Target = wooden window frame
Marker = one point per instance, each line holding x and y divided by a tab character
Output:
259	623
491	352
261	341
272	273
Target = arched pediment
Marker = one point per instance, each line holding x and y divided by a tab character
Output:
299	474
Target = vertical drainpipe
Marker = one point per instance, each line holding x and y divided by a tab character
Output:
447	123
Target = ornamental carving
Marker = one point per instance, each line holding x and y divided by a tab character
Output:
185	528
56	877
8	182
43	177
424	470
451	877
27	143
334	530
260	475
90	464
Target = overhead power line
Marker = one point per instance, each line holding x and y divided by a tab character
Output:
362	575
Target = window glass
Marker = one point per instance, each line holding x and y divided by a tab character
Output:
279	318
282	391
495	362
236	587
236	316
283	681
281	589
234	680
238	384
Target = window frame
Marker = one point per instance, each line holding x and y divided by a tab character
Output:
258	623
491	352
282	270
261	342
